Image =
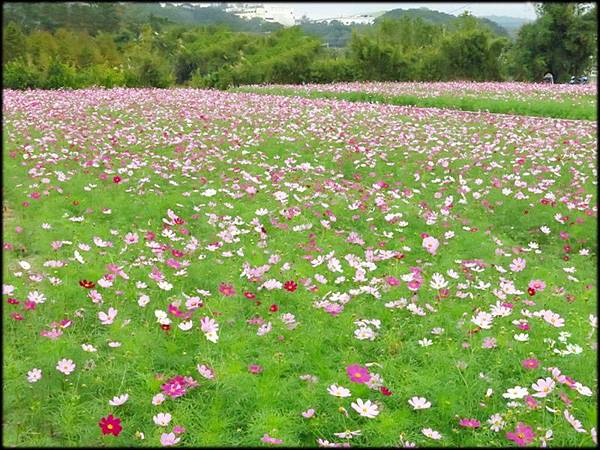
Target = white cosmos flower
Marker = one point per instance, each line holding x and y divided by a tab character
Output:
185	326
483	320
438	281
338	391
348	434
583	390
516	392
118	400
365	409
425	342
162	419
431	433
364	333
88	348
143	300
521	337
576	424
419	403
34	375
496	422
158	399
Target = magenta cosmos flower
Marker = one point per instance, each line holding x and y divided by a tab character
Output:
358	374
530	363
255	368
469	423
522	435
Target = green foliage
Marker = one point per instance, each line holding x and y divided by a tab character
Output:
19	75
144	44
439	18
562	40
60	75
12	43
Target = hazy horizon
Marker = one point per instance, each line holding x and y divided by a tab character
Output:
524	10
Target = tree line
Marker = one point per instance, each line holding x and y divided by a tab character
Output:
101	45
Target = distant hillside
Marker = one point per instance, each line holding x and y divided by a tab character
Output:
510	24
439	18
197	16
96	16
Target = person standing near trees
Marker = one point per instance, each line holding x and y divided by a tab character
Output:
549	78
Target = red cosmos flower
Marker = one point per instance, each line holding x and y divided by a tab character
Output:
12	301
249	295
16	316
290	285
87	284
116	179
273	308
531	291
385	391
110	425
177	253
165	326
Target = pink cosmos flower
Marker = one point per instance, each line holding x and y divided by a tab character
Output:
392	281
537	285
255	369
531	402
431	244
530	363
522	436
270	440
469	423
489	342
206	371
518	265
65	366
226	289
308	413
358	374
169	439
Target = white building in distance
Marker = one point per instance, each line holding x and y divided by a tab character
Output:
364	19
282	14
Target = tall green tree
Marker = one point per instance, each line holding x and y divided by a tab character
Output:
12	43
562	40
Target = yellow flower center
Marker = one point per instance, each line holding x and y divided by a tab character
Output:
358	375
520	435
109	426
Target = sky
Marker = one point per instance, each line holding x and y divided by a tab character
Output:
326	10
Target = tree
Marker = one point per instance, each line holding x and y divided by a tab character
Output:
562	40
12	43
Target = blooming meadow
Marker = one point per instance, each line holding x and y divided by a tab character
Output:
199	268
536	99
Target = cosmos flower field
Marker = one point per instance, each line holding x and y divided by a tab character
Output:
199	268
